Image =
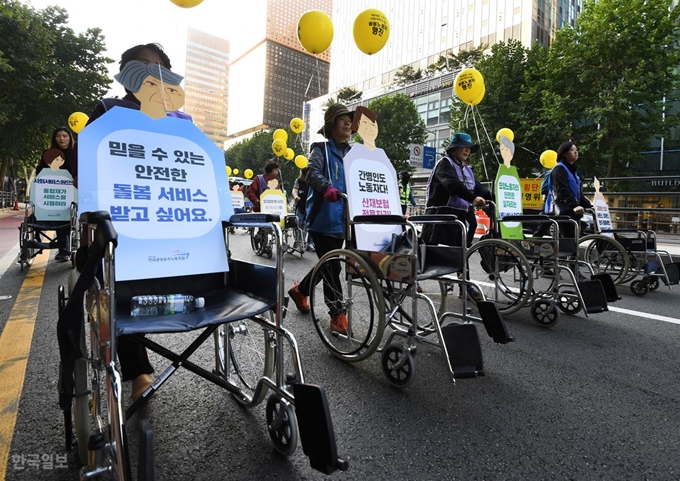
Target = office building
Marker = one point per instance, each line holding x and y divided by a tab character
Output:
207	84
271	75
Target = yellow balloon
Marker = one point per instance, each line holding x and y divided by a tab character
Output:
228	171
315	31
297	126
469	85
481	96
506	132
371	31
290	154
301	161
77	121
280	134
549	159
248	173
235	171
279	147
186	3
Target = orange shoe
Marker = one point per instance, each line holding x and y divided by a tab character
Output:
339	323
299	299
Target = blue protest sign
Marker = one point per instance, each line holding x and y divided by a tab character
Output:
164	183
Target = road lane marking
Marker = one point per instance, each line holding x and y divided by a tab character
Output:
8	259
15	347
646	315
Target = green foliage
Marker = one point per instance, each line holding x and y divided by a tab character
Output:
47	72
399	125
255	152
406	75
349	94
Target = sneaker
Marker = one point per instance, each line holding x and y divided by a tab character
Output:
310	248
339	323
419	288
63	255
299	299
474	293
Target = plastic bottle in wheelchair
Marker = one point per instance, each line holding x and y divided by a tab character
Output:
164	305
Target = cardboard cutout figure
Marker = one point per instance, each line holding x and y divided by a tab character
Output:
372	184
157	88
53	191
508	192
602	217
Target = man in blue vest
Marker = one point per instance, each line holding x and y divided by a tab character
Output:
405	194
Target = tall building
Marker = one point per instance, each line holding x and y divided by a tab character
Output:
207	84
271	75
422	30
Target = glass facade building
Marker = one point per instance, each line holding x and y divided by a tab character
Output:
207	84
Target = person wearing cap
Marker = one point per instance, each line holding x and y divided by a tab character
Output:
326	211
405	193
453	184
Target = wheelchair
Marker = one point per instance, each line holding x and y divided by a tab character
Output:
381	291
294	239
35	234
540	271
631	256
243	314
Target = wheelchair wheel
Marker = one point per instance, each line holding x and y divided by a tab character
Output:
398	365
605	255
82	408
27	236
344	282
640	287
502	272
282	425
249	347
653	283
569	303
544	312
259	241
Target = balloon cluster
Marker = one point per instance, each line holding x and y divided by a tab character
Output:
371	31
281	149
469	86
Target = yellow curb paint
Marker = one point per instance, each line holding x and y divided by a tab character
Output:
15	347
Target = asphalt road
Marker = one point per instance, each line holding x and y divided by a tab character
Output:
594	398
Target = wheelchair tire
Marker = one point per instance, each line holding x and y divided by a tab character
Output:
640	287
81	410
251	356
544	312
569	303
605	255
282	425
27	254
653	283
503	273
361	299
398	366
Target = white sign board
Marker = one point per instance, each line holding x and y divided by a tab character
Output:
52	194
372	189
273	201
416	158
237	199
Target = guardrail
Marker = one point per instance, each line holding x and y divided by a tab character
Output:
6	199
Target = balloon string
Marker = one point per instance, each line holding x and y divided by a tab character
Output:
488	137
481	151
531	152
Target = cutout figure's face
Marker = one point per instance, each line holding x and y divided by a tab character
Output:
156	98
57	163
368	130
506	155
63	139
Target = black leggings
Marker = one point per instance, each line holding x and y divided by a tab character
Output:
332	288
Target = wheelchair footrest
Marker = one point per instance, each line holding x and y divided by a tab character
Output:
493	322
673	273
593	295
316	428
608	286
145	469
464	350
29	244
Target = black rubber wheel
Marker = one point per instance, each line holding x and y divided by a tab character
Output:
282	425
569	303
653	283
545	313
398	365
639	288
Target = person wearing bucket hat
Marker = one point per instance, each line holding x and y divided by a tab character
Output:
453	184
325	218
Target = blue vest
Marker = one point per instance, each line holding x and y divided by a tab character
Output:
574	186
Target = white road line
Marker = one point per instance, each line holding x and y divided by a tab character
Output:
8	259
645	315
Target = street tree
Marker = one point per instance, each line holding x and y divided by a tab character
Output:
399	125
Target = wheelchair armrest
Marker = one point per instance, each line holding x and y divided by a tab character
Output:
105	233
94	217
433	218
379	219
253	218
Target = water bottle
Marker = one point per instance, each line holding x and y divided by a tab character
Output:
153	305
